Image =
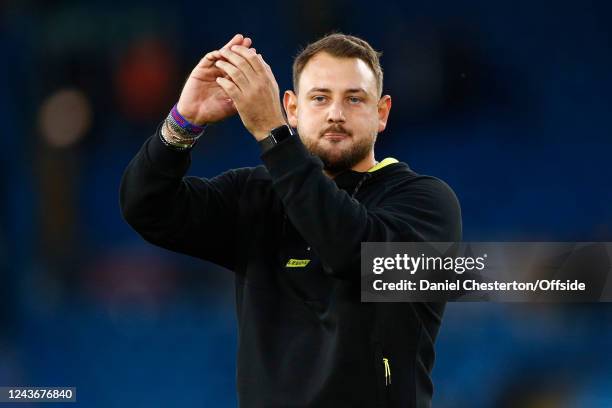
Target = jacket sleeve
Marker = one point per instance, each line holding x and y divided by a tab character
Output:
335	224
194	216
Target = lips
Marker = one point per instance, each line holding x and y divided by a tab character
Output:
334	136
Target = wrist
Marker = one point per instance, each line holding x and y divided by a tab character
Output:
175	140
275	136
260	135
183	125
178	133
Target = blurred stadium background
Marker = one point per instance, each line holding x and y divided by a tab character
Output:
508	101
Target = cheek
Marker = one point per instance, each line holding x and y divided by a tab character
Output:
308	123
364	122
373	120
306	114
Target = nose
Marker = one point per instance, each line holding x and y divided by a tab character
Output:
335	114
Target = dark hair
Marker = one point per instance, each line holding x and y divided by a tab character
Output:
341	46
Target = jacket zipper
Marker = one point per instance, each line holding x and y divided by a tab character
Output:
383	386
387	371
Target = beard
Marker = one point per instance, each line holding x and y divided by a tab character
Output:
335	160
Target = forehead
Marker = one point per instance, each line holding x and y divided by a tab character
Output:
337	74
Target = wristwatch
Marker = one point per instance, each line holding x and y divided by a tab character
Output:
275	136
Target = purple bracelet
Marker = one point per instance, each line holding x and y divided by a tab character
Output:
184	123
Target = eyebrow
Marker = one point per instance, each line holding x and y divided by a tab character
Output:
327	90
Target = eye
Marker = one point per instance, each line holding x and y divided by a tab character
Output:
354	99
319	98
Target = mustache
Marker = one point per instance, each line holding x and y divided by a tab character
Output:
336	129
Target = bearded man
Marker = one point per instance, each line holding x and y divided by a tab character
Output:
291	229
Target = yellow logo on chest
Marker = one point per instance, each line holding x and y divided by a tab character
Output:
297	263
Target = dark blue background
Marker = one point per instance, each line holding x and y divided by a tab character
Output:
507	101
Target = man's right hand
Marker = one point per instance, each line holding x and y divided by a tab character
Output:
202	99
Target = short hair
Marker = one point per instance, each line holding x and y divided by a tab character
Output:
341	46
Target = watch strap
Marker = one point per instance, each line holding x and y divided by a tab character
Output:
276	136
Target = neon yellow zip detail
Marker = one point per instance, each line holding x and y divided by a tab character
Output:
387	371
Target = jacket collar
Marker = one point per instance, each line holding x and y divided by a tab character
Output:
385	162
350	178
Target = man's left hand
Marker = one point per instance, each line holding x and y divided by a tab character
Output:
253	89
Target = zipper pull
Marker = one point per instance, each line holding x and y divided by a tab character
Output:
387	371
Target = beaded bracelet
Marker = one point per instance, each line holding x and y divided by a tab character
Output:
183	124
178	132
174	141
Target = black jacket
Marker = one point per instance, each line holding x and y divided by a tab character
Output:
292	236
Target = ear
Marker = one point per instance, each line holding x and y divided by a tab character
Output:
384	107
290	104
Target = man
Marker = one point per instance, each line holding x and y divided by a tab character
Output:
291	230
